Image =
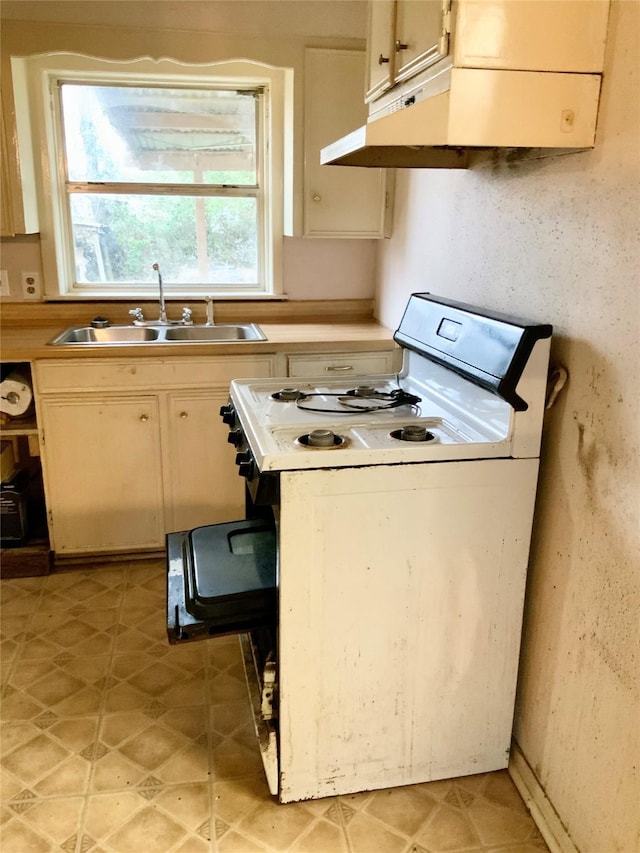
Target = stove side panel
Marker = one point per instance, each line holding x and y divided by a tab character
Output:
401	593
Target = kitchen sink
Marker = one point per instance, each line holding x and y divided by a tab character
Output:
110	335
126	335
247	332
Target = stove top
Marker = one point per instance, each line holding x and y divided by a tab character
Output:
320	424
472	386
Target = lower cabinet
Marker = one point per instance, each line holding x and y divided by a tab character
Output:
133	450
203	483
103	473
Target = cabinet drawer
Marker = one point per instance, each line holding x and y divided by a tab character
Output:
343	363
111	375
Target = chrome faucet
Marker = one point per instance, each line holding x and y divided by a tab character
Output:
209	306
162	319
138	316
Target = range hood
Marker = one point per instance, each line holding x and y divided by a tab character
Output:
436	124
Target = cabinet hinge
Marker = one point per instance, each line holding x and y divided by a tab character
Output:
445	29
42	437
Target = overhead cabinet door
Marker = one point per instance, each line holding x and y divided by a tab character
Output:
418	40
339	201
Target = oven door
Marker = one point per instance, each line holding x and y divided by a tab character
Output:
221	579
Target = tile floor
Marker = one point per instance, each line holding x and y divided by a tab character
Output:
113	741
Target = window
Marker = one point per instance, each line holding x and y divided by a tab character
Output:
181	169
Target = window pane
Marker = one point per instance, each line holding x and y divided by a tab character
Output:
195	240
152	135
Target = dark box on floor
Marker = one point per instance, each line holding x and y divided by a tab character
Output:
13	509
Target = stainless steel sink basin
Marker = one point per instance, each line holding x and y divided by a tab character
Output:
245	332
127	335
110	335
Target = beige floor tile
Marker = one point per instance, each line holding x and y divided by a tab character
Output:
150	830
223	688
233	799
404	810
70	777
497	825
8	655
12	625
113	772
55	761
152	747
323	837
20	596
231	760
162	821
367	835
278	826
222	656
499	789
113	740
192	722
34	759
16	734
47	825
191	763
234	842
66	631
228	717
448	829
190	804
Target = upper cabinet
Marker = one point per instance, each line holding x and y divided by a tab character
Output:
407	36
446	77
338	202
17	209
404	38
380	51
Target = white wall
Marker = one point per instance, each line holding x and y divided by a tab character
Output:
557	241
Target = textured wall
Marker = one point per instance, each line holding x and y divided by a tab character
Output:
557	240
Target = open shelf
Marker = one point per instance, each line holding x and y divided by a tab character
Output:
28	426
33	556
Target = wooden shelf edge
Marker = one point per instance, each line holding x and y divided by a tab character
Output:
32	559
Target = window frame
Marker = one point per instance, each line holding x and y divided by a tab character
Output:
39	116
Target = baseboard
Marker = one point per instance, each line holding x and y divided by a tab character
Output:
545	816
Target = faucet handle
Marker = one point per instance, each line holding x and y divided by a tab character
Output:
186	316
137	315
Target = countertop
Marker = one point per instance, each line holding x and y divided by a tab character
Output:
26	343
290	326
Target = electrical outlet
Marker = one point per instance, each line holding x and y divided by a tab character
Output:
31	285
4	283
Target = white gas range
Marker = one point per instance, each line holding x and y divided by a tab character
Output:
390	579
441	406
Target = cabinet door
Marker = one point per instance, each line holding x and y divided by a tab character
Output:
103	473
418	32
18	210
6	212
204	486
380	48
339	201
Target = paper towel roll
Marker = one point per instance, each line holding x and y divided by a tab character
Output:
15	395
